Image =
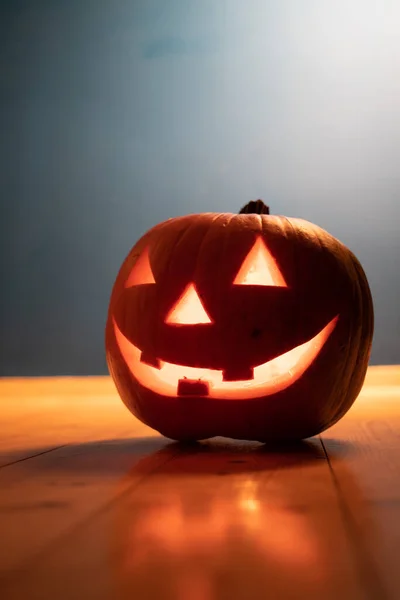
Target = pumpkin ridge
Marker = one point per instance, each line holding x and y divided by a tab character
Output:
355	380
222	254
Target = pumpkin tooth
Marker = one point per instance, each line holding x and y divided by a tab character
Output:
148	359
193	387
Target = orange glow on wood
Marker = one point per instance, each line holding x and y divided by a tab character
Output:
191	531
269	378
141	272
259	268
188	310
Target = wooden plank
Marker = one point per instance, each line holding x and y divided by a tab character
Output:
45	497
364	447
39	414
224	520
74	523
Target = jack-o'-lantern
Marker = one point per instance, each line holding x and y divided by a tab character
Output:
250	326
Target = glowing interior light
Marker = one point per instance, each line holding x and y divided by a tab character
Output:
141	272
188	310
259	268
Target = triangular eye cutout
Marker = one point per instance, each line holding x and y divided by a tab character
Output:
188	310
141	272
259	268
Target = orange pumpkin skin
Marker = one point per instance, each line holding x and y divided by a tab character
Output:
314	303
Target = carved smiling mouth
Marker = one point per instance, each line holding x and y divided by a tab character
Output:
268	378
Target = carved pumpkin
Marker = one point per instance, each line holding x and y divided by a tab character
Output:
250	326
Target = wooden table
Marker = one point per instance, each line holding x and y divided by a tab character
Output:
95	505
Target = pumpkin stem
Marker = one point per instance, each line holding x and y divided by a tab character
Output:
256	207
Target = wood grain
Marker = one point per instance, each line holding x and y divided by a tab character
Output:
94	504
365	447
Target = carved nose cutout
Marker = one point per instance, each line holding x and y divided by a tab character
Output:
188	310
259	268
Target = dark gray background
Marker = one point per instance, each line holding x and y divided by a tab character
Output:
117	114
